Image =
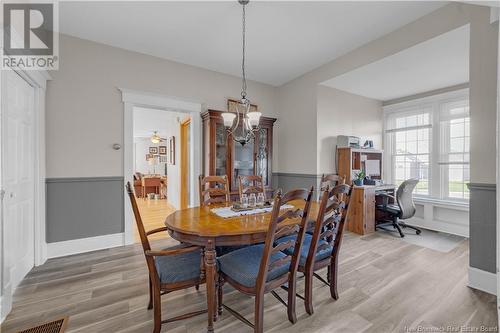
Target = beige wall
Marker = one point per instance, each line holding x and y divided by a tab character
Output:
342	113
85	112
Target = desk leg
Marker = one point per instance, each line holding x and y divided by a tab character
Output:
210	282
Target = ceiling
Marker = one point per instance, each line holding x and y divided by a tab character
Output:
436	63
284	39
146	121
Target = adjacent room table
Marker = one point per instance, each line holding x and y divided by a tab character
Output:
200	226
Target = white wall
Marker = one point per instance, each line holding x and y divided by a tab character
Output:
84	109
141	149
296	100
343	113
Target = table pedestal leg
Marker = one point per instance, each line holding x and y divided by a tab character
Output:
210	266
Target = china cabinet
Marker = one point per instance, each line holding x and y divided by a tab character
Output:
223	156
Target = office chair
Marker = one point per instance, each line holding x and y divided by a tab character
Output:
402	210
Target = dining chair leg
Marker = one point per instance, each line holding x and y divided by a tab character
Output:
197	287
150	304
157	310
308	293
292	316
220	295
333	279
259	313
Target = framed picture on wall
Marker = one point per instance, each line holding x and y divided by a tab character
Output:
232	104
162	150
171	143
153	150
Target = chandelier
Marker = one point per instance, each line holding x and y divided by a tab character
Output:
243	123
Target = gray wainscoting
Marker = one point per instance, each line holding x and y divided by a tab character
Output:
84	207
482	241
290	181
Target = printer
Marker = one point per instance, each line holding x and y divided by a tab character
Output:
347	141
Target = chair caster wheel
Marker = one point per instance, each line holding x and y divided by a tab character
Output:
418	232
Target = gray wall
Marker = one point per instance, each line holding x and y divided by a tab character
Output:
84	207
290	181
482	224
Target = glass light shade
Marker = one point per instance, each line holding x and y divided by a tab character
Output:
254	118
155	139
228	118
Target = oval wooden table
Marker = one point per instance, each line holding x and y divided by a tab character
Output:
199	226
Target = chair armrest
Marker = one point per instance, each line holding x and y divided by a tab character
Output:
154	231
171	252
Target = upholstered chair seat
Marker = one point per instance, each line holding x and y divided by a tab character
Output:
242	265
179	267
304	251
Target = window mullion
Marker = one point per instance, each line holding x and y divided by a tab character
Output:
435	170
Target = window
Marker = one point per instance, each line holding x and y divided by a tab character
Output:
410	149
429	139
455	149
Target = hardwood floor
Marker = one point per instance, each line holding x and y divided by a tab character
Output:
385	285
153	214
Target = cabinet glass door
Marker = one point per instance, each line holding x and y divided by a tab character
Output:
220	150
262	160
243	164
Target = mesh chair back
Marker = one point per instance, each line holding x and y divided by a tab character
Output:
404	196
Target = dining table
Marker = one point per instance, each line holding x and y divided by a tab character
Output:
201	226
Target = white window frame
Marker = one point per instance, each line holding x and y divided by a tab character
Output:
435	102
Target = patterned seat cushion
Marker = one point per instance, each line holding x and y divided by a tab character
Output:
305	248
180	267
243	265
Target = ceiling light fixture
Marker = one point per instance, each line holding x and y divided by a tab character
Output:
249	119
156	138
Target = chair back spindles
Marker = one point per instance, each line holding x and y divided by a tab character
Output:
331	181
281	225
330	222
250	184
213	189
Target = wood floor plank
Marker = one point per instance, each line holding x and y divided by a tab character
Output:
385	285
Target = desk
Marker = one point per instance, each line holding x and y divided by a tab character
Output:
199	226
361	219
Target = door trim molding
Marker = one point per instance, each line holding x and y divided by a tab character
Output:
133	98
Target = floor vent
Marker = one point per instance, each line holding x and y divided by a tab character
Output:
56	326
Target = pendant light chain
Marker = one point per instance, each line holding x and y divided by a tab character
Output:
244	83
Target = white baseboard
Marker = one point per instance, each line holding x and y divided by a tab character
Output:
483	280
75	246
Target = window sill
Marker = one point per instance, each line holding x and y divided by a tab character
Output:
450	204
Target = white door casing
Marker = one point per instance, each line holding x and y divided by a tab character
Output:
131	99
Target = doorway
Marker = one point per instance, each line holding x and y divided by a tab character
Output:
185	166
185	110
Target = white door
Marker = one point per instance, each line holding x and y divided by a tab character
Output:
18	176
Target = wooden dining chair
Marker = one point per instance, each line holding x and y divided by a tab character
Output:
259	269
175	268
250	184
321	249
213	189
331	180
